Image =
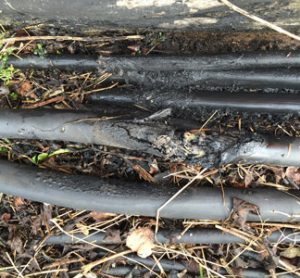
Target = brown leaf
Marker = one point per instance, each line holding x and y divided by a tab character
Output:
293	174
143	174
46	214
248	179
141	241
6	217
241	210
278	172
100	216
18	202
36	224
25	89
16	244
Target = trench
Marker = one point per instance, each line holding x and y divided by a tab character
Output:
157	111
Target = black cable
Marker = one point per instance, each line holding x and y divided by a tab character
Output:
255	70
119	196
148	136
224	62
167	236
195	100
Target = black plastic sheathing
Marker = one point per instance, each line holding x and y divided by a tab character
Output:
175	266
196	100
258	79
148	137
88	128
64	62
247	273
254	70
118	196
266	150
235	61
167	265
167	236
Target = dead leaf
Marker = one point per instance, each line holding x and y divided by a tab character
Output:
141	241
291	252
293	174
248	179
25	90
36	224
6	217
240	212
143	174
46	214
278	172
83	229
100	216
18	202
16	244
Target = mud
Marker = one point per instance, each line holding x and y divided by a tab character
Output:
188	15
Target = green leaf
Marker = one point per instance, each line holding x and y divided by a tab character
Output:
59	151
3	150
38	158
13	96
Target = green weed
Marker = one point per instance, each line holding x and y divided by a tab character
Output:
40	50
6	71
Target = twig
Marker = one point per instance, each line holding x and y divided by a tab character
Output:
46	102
14	266
56	271
239	234
90	266
260	20
100	89
199	175
207	121
71	38
289	267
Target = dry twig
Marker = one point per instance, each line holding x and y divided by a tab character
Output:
260	20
